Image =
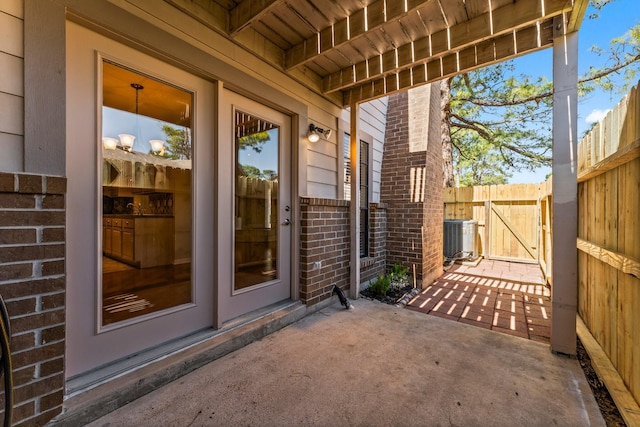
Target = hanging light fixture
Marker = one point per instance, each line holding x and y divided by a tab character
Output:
109	143
126	140
157	146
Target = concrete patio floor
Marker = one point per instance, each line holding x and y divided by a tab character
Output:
375	365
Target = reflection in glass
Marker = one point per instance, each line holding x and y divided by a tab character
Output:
146	195
256	200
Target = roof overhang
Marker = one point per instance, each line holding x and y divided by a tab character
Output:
352	51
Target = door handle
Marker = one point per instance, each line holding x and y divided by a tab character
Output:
286	222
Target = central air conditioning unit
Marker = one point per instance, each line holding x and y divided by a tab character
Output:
460	238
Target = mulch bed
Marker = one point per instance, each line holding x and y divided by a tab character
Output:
393	295
607	406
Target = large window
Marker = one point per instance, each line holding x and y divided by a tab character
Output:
146	195
364	188
256	200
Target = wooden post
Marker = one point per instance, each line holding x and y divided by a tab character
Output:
354	210
487	228
564	293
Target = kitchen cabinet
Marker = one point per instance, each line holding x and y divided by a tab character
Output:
107	233
128	239
140	241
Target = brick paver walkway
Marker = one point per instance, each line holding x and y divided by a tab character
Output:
498	295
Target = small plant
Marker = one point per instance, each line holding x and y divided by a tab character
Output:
398	275
398	271
381	285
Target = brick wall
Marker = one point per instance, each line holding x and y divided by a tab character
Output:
324	239
32	283
433	221
411	183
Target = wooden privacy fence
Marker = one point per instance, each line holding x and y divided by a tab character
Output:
514	221
609	247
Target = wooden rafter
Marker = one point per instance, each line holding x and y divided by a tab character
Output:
248	12
457	39
350	28
357	53
477	55
579	9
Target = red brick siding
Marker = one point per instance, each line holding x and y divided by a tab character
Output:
32	283
324	238
373	265
411	182
433	222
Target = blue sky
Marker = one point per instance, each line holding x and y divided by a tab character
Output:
615	19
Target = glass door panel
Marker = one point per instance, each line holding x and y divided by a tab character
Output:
146	195
255	215
256	201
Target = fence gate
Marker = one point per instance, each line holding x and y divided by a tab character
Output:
513	230
510	226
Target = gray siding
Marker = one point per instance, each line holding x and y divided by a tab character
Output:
11	85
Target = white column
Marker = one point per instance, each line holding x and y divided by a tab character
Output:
354	209
564	292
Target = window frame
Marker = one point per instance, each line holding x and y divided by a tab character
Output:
343	163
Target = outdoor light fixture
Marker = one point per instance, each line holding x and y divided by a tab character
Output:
315	132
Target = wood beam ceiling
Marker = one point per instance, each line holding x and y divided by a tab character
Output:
463	39
396	44
248	12
352	27
498	49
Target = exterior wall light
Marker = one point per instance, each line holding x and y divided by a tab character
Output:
315	132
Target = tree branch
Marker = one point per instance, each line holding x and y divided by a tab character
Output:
541	96
465	124
604	73
505	103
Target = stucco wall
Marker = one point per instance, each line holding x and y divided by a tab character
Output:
11	85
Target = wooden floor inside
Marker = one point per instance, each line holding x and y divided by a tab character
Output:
128	292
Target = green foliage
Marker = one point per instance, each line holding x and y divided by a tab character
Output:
381	285
178	143
253	141
500	122
623	58
477	162
398	271
251	171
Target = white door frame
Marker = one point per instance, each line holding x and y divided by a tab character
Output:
232	304
86	349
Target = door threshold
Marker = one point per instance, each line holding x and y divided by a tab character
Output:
96	393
